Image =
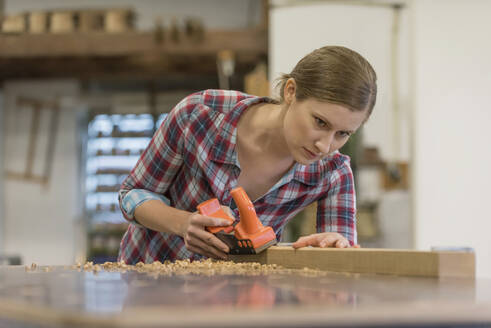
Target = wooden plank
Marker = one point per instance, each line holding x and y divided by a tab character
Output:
22	177
369	260
33	136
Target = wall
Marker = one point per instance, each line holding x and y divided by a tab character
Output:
40	222
298	29
452	160
445	106
2	210
2	5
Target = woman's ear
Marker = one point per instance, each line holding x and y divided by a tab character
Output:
289	90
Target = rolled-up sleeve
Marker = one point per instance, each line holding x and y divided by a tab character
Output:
158	165
136	197
336	212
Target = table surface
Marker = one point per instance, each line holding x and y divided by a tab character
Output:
70	297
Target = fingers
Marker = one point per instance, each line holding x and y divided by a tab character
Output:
208	221
204	252
334	240
304	242
326	239
202	248
208	250
229	212
342	243
208	238
200	241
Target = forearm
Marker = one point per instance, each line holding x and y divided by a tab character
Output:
158	216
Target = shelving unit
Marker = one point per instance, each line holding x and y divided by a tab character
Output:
115	142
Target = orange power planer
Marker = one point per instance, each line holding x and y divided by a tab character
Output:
248	236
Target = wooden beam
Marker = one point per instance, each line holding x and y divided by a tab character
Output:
369	260
33	136
117	67
121	55
22	177
245	41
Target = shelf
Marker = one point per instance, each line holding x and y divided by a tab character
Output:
86	55
106	217
107	188
95	174
103	137
113	229
113	171
116	153
116	134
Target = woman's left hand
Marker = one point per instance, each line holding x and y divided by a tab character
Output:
324	239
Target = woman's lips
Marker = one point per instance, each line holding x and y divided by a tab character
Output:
310	154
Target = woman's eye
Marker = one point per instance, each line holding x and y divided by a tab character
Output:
319	122
343	134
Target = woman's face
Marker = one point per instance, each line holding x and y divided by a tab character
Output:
314	129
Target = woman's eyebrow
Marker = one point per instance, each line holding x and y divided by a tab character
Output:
329	124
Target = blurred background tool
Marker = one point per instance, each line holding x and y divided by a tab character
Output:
226	67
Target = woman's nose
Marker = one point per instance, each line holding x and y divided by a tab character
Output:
324	144
323	148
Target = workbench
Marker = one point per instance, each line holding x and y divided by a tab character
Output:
71	297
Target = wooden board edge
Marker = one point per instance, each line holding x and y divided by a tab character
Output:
457	264
401	262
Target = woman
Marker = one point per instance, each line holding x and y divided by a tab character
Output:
283	153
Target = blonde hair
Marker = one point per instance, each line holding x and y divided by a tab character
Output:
334	74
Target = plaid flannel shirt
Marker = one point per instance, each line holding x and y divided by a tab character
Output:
192	158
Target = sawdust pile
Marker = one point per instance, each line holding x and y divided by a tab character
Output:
204	267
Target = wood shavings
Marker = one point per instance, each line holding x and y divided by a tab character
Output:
39	268
76	266
88	266
204	267
33	267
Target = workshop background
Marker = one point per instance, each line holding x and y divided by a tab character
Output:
83	85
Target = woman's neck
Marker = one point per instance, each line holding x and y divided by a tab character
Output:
261	127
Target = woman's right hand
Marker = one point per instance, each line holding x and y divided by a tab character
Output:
199	240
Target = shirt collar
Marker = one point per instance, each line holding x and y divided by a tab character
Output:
315	172
223	150
312	175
